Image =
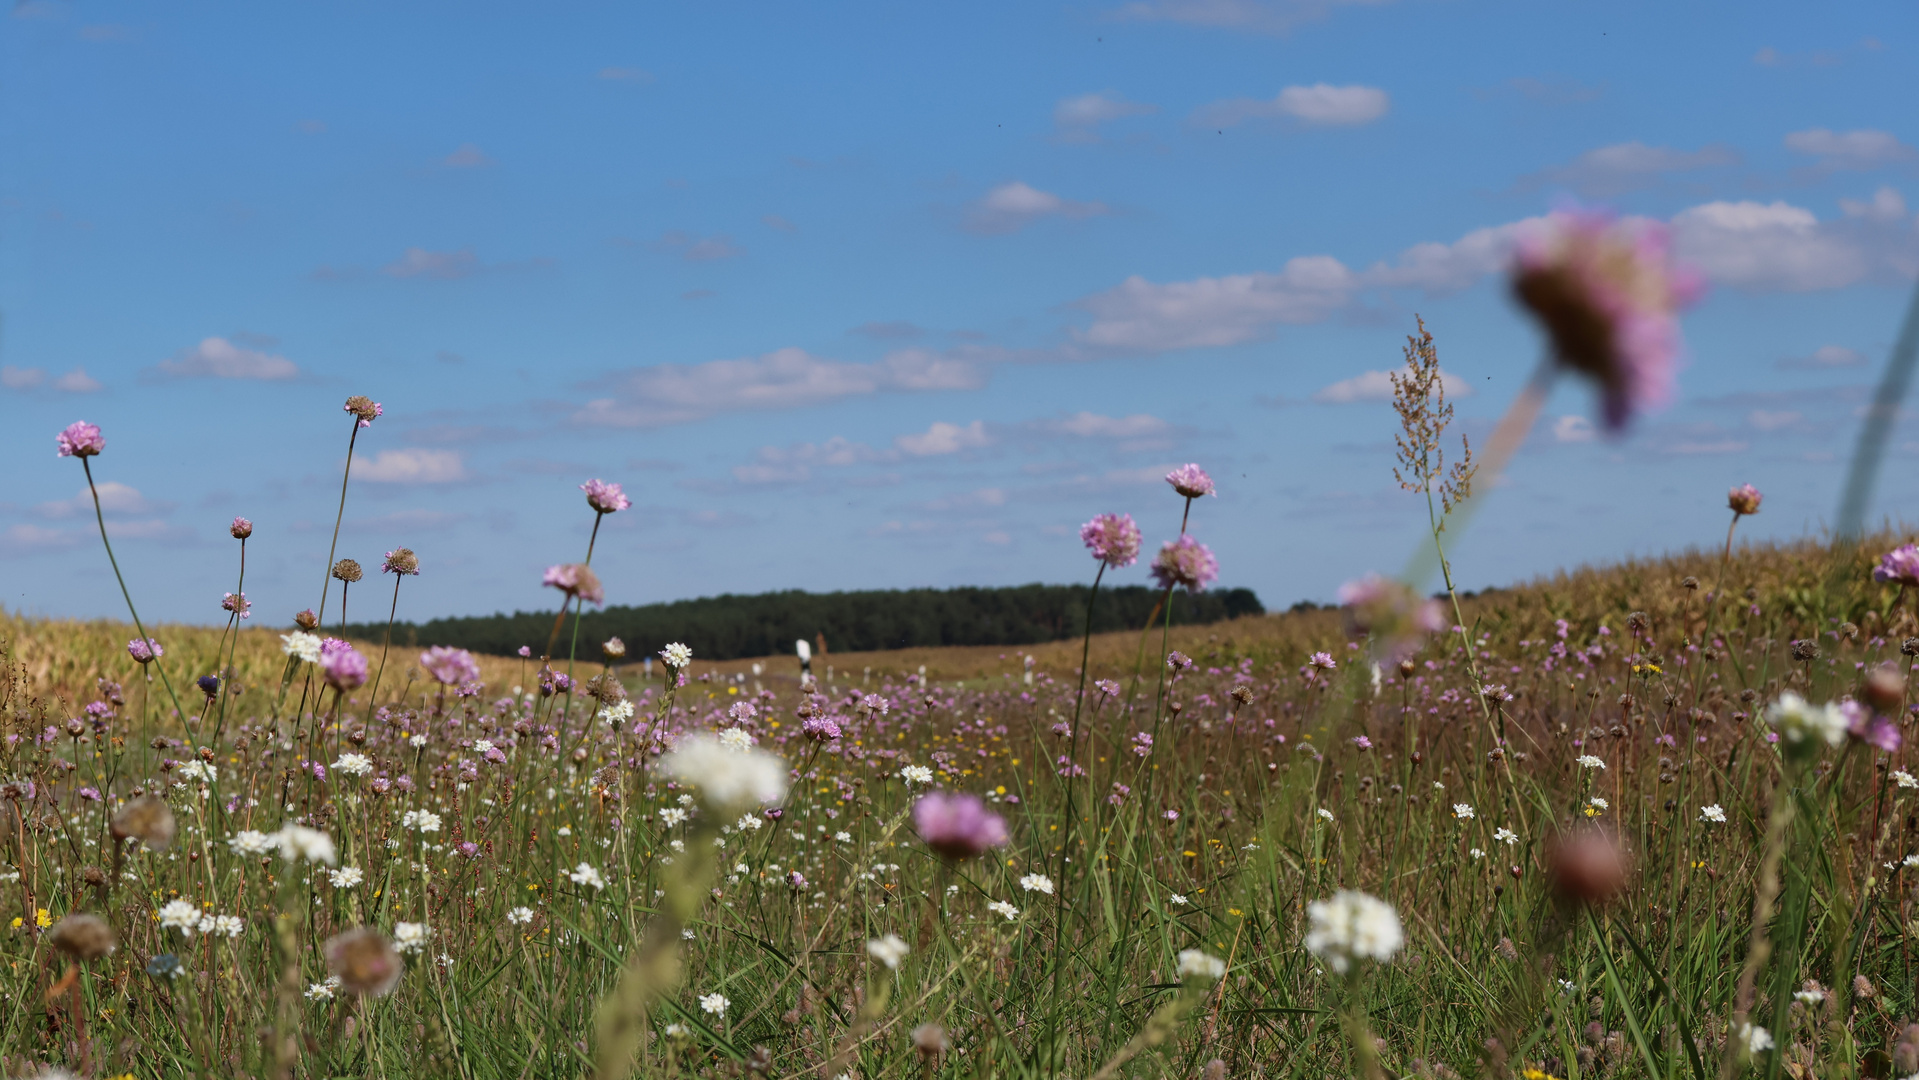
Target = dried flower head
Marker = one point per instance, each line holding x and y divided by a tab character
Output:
1191	481
930	1040
1744	500
305	619
1112	538
1419	397
400	561
1608	294
958	826
365	962
241	528
348	571
83	937
80	439
575	579
146	818
604	497
238	604
1187	562
613	649
365	408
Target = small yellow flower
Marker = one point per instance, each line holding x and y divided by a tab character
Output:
43	918
17	923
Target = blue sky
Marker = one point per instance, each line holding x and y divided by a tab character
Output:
874	295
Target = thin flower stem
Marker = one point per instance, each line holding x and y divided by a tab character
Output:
1072	816
117	576
373	695
579	605
238	590
327	585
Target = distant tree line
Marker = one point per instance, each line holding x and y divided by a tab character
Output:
728	627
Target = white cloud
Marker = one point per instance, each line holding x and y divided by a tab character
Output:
1378	386
792	464
1827	356
14	378
1767	246
1138	314
77	381
1013	206
1861	149
218	358
467	156
412	465
1077	119
25	539
1254	16
115	499
788	378
1318	105
944	438
1622	167
437	265
1088	425
1886	205
1573	429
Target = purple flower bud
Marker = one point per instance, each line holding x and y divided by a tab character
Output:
241	528
1744	499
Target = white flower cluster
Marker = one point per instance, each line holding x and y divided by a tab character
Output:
1197	964
1714	813
353	764
677	656
425	821
346	877
617	713
323	991
737	739
1587	761
301	646
520	916
585	874
411	937
291	841
1798	720
1001	907
1463	811
917	774
888	950
729	781
181	915
1037	883
713	1004
1351	926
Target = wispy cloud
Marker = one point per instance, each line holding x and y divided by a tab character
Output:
467	156
944	438
1378	386
76	381
1012	206
1318	105
1078	119
417	262
219	358
116	499
1862	149
1825	358
412	465
1622	167
699	248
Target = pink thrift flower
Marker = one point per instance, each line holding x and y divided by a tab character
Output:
1112	538
958	826
604	497
820	728
1744	499
1609	294
450	666
575	579
1191	481
238	604
1900	566
1187	562
345	668
365	408
241	528
144	650
80	439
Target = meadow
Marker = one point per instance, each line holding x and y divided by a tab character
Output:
1647	820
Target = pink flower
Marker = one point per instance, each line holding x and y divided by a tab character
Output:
1744	499
238	604
1191	481
365	408
144	650
575	579
1112	538
450	666
1390	613
1187	562
820	728
345	669
958	826
604	497
1900	566
241	528
1609	294
80	439
1869	727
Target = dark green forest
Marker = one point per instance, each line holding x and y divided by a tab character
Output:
729	627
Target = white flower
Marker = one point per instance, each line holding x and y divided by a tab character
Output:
1587	761
1910	860
1904	779
1809	997
1799	720
1350	926
425	821
748	822
1756	1038
888	950
1001	907
729	780
1037	883
180	915
199	770
520	916
299	842
482	746
416	741
677	1031
564	830
671	816
843	837
354	764
251	842
1178	899
617	713
411	937
917	774
735	738
1325	813
1505	836
1437	786
301	645
1567	986
1463	811
1476	853
230	926
1196	964
1715	812
346	877
1598	803
676	656
713	1004
323	991
585	874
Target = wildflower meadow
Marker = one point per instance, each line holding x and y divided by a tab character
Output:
1658	819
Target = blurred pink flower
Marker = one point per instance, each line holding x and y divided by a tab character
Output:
575	579
80	439
1191	481
1609	294
1112	538
604	497
958	826
241	528
1187	562
344	667
1744	499
144	650
450	666
1900	566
